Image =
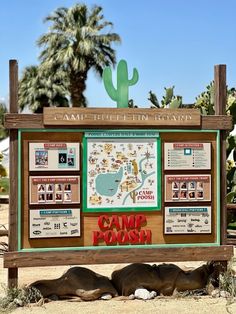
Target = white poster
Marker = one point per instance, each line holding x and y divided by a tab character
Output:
122	172
188	220
54	223
54	156
187	156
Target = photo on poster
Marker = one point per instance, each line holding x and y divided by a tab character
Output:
189	188
67	197
41	198
183	185
175	185
49	197
123	172
62	158
41	188
67	187
49	187
192	185
183	195
58	187
58	197
41	158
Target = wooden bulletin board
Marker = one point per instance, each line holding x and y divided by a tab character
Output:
174	176
83	204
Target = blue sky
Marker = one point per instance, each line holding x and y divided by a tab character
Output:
170	42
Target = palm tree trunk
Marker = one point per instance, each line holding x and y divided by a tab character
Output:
77	88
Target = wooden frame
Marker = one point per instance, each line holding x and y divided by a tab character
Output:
14	121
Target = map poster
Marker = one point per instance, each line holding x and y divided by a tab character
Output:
188	220
187	156
53	156
54	190
187	188
122	173
54	223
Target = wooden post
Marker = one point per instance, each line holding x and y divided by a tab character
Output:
220	109
13	201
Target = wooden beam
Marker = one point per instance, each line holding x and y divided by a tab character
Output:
35	121
121	117
220	89
121	255
18	121
13	174
13	87
220	109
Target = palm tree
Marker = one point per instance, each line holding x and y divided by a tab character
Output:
38	89
3	131
77	42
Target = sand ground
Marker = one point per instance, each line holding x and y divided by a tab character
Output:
160	305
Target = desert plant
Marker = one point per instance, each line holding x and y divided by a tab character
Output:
17	297
3	132
77	41
38	89
227	281
169	100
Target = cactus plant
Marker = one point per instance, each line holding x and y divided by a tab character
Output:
133	195
121	93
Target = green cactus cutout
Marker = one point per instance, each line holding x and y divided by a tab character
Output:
121	94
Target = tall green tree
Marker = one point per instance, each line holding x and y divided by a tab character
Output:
3	131
76	42
38	89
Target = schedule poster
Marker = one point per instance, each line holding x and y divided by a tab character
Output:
187	156
187	188
188	220
53	156
122	173
54	190
54	223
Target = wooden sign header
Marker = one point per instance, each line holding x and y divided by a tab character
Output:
121	117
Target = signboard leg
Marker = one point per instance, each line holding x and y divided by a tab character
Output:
12	277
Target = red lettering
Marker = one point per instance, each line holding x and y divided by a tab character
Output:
128	222
96	236
149	236
122	237
140	220
142	236
134	236
101	220
114	222
110	237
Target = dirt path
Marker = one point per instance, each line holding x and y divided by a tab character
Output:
158	305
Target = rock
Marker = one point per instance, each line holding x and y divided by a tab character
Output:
224	294
215	293
144	294
131	297
106	296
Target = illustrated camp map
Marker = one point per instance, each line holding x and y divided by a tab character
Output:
122	173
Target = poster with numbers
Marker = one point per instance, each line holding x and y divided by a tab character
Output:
54	156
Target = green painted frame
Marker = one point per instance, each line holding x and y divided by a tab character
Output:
138	135
94	248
